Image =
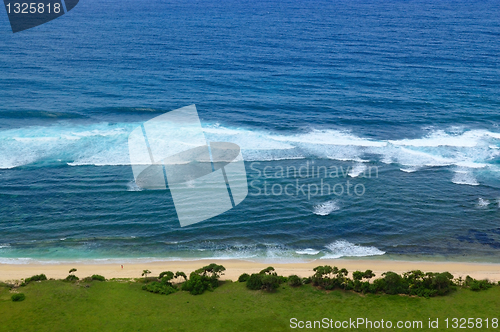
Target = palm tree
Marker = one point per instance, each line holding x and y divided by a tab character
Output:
145	274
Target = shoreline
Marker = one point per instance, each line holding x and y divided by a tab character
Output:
234	268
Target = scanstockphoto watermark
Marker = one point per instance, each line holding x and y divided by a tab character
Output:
309	180
25	15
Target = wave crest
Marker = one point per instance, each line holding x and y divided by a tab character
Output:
326	208
342	248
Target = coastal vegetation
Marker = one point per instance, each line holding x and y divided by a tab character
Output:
123	305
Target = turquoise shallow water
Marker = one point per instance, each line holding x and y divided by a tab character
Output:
400	98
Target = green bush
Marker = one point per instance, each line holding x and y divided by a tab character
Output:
254	282
307	280
38	277
197	284
270	282
294	281
168	274
477	285
244	277
392	283
18	297
160	288
205	278
329	278
282	279
164	286
71	277
98	277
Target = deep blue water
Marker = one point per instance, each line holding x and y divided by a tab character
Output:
409	89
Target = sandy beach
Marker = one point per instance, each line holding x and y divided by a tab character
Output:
235	268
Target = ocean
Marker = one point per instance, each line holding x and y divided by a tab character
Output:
392	104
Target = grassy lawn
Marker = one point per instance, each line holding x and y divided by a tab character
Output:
123	306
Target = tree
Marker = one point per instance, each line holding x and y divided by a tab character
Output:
168	274
269	270
179	274
368	274
71	276
145	274
205	278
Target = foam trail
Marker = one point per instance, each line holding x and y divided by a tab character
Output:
409	169
344	248
357	170
326	208
307	251
464	176
482	203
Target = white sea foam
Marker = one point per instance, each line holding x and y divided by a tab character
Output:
344	248
409	169
464	176
326	208
482	203
307	251
132	186
103	144
357	170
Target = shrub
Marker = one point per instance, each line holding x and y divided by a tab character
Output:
38	277
476	285
270	282
307	280
294	281
71	277
254	282
98	277
18	297
197	284
164	286
282	279
328	277
266	279
392	283
160	288
205	278
244	277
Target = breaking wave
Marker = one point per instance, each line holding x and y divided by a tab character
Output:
102	144
344	248
326	208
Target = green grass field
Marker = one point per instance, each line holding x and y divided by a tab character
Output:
123	306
